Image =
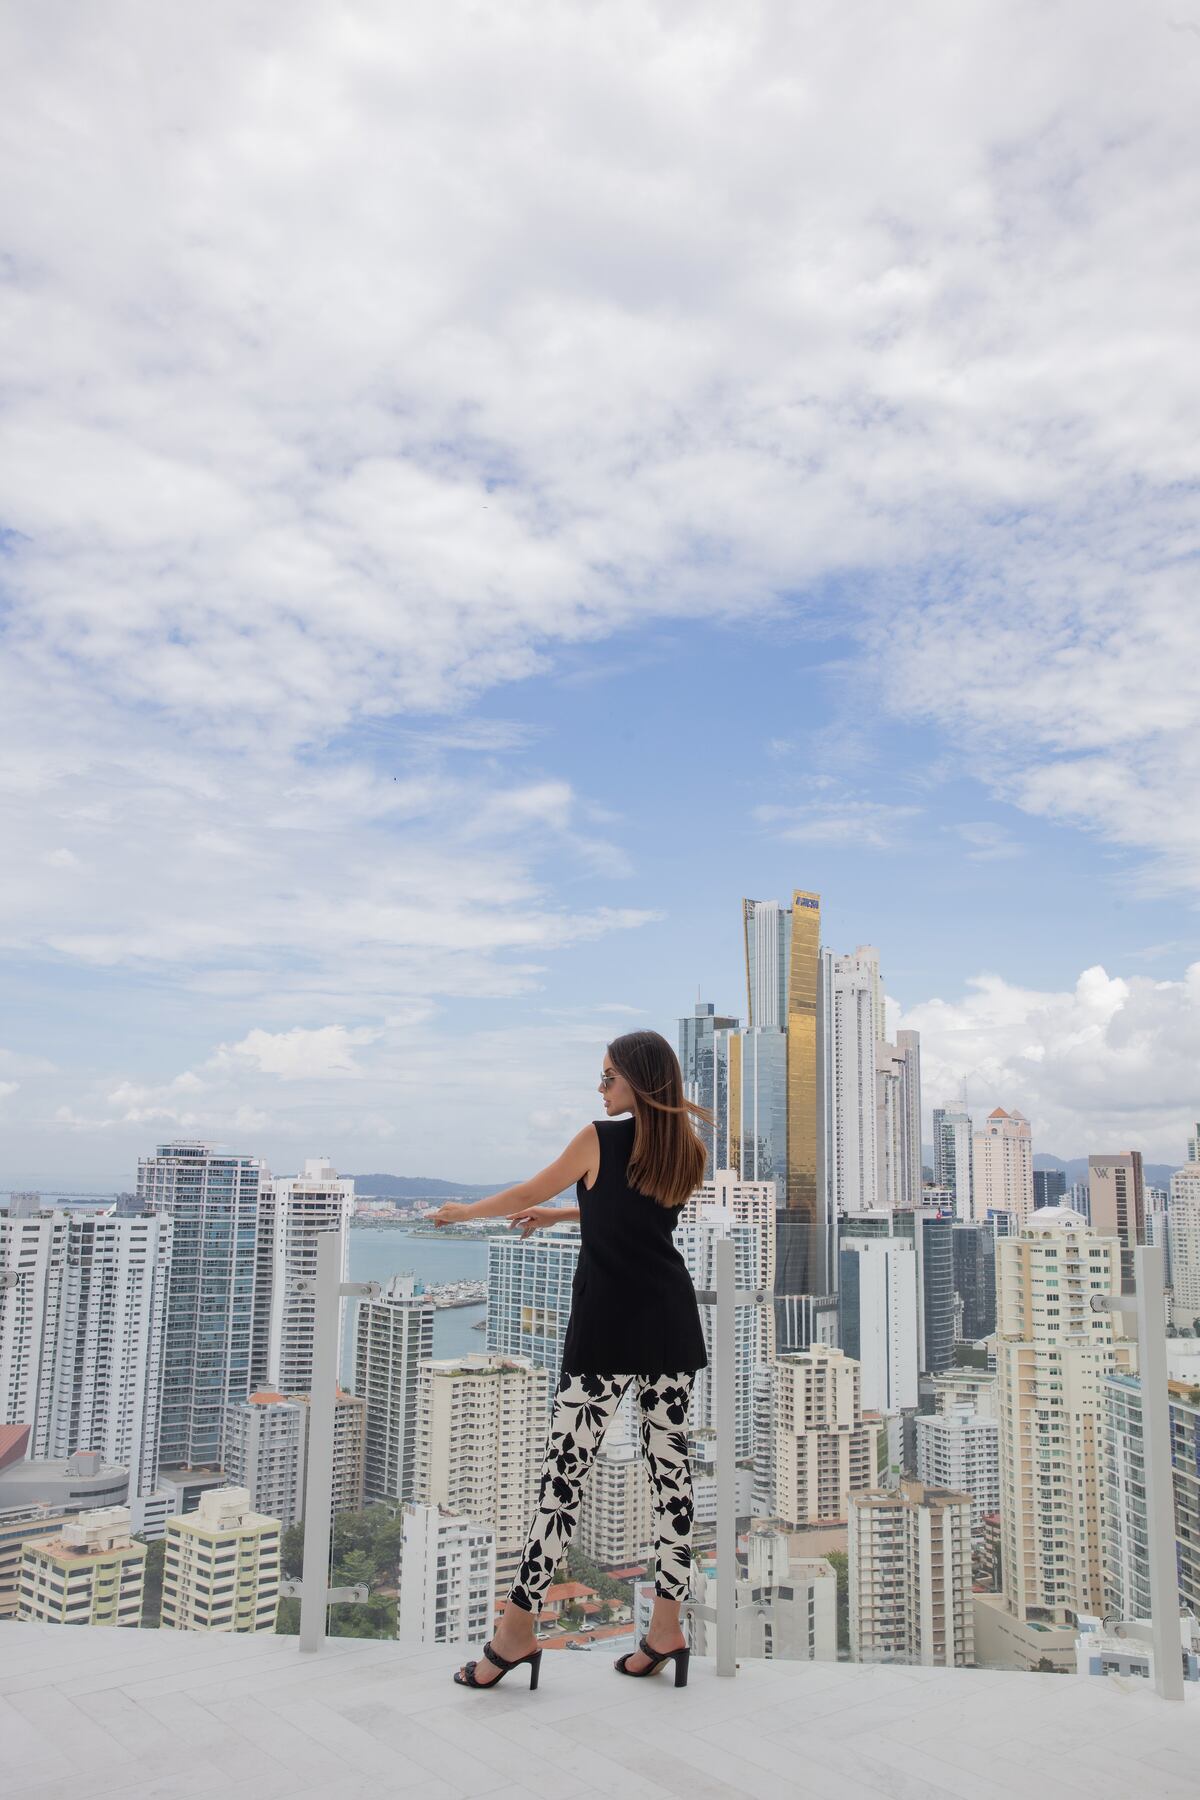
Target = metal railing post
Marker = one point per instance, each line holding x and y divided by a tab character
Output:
725	1298
1159	1479
318	1487
726	1411
327	1289
1157	1475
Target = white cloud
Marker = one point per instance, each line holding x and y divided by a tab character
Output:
296	1055
988	842
860	824
1109	1064
7	1088
299	447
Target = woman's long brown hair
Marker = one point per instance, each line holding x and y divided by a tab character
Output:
667	1160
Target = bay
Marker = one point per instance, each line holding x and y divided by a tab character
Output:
378	1253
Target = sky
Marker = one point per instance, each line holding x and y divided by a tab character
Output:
480	498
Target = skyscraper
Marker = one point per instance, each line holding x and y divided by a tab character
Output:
393	1335
529	1287
931	1234
974	1251
263	1451
758	1105
33	1249
1184	1218
291	1212
1049	1187
959	1449
212	1198
909	1575
744	1212
908	1043
704	1074
481	1432
815	1445
1003	1166
782	980
1118	1204
851	995
953	1161
802	1082
878	1305
1052	1355
102	1361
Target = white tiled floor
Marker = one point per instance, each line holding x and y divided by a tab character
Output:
166	1716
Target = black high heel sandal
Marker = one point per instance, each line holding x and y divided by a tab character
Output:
533	1658
678	1657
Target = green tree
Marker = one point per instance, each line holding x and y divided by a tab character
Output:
607	1587
365	1552
152	1592
841	1568
291	1552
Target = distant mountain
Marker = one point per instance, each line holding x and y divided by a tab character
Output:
421	1187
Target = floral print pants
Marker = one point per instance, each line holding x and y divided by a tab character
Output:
583	1407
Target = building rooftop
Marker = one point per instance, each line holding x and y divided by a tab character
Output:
184	1716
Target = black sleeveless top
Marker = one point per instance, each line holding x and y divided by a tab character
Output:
633	1309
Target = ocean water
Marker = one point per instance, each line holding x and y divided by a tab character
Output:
389	1250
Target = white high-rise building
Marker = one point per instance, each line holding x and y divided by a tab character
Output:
529	1293
33	1248
264	1452
482	1423
616	1507
953	1162
82	1335
908	1043
291	1212
1184	1226
212	1198
1003	1178
1193	1149
392	1336
814	1444
910	1576
1052	1356
767	931
852	1019
447	1578
102	1358
960	1449
1125	1551
745	1213
878	1304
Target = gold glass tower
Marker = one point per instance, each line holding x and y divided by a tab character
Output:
803	968
782	974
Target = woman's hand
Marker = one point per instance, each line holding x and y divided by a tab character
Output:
533	1216
452	1212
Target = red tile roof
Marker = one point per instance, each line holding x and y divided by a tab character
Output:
13	1442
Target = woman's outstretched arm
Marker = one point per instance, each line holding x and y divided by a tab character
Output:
563	1172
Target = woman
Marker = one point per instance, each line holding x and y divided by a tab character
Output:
634	1318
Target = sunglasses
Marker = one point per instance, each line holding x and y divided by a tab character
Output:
607	1079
